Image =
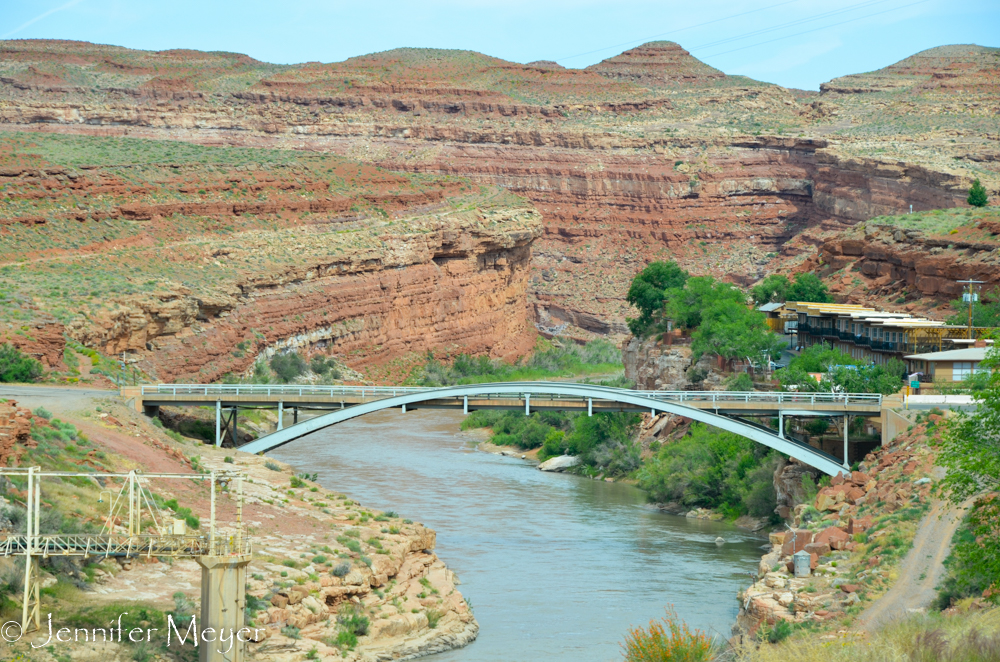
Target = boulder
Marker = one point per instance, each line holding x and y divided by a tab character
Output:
279	601
830	498
859	524
832	536
818	548
560	463
796	542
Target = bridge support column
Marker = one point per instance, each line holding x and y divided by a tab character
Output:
218	423
590	406
404	409
295	416
281	414
781	425
465	404
527	404
223	606
847	419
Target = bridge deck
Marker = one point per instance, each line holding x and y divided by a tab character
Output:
337	397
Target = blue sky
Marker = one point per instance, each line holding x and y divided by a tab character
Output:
796	43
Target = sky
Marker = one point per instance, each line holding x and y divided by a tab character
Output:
794	43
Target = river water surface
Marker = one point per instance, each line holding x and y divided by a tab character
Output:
556	567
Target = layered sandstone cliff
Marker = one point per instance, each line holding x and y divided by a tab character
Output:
649	154
193	263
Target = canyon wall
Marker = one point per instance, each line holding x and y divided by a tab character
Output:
454	287
649	155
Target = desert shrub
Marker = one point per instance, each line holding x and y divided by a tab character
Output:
42	412
288	366
273	466
977	195
433	617
353	621
17	367
346	639
341	569
667	640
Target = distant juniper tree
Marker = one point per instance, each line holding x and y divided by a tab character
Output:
977	195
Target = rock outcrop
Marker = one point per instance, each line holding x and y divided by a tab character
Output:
15	430
656	366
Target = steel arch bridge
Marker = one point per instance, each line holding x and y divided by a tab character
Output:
721	410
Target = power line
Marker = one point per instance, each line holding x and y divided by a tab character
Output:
860	5
664	34
823	27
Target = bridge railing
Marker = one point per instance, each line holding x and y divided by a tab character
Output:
558	391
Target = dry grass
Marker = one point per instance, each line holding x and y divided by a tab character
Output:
969	637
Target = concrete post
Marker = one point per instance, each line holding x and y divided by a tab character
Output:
590	406
465	404
781	425
218	423
223	607
295	416
527	404
847	463
281	415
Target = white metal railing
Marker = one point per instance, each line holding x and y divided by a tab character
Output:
558	389
86	544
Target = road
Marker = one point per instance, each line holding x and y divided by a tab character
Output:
921	570
53	398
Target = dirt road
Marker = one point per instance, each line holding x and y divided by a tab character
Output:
921	570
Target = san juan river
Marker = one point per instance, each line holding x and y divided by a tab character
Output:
556	567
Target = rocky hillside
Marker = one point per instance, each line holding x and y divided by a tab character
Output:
649	154
910	262
857	530
195	261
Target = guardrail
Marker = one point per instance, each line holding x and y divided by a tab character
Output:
482	390
83	544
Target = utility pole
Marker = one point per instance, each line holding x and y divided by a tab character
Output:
970	296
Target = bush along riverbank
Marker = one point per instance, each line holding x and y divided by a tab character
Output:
686	468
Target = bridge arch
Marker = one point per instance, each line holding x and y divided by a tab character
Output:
818	459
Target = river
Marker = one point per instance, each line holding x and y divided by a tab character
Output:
556	567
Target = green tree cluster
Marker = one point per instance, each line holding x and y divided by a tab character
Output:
715	312
777	288
841	372
977	195
647	293
17	367
713	469
971	452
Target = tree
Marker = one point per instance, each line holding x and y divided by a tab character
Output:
808	287
771	289
983	313
646	293
16	367
732	330
686	305
971	451
977	195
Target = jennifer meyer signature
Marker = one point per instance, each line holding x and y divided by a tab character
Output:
11	632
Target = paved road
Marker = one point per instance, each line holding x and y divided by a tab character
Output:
921	570
54	398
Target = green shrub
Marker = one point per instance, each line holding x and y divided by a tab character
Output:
272	466
42	412
346	639
288	366
341	569
977	195
353	621
17	367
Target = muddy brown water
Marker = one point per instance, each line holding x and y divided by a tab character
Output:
555	566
